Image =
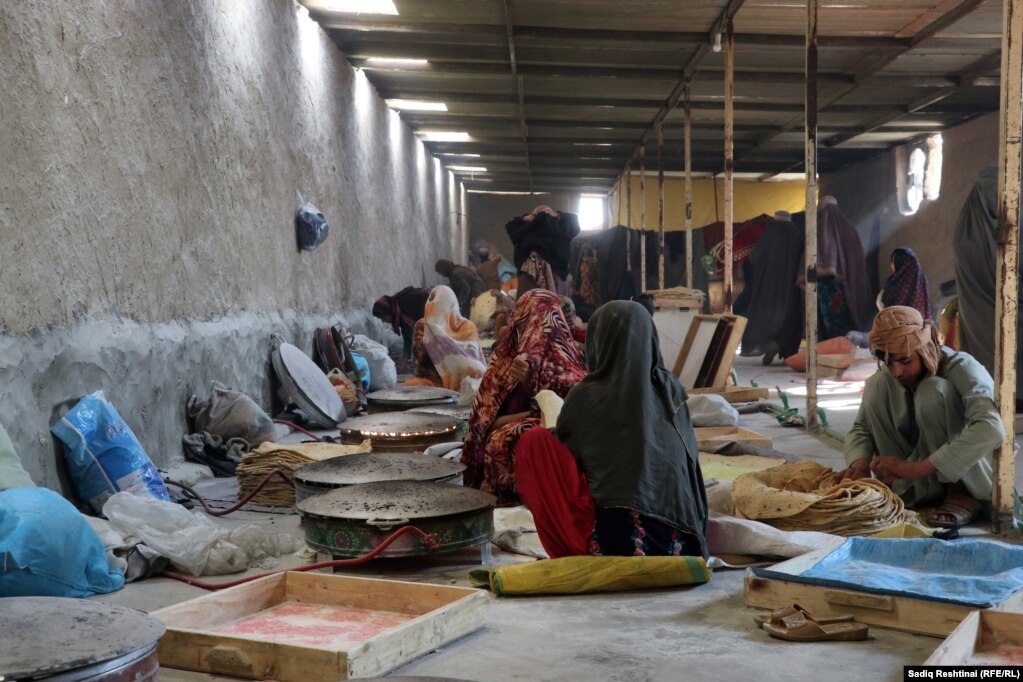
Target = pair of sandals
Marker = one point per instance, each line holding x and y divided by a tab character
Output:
958	509
796	624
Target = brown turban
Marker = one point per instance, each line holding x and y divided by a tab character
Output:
901	328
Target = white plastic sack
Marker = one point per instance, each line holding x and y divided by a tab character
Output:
710	409
192	541
468	390
382	372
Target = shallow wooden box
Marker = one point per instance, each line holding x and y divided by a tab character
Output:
897	612
983	638
709	438
340	627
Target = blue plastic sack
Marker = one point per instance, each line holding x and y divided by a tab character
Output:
103	455
47	549
362	365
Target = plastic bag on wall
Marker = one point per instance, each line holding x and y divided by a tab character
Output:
311	227
103	455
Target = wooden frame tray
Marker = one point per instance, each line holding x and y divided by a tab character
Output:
709	438
910	614
983	638
324	627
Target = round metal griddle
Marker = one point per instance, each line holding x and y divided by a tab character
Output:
353	520
399	431
65	640
317	478
459	412
412	396
307	386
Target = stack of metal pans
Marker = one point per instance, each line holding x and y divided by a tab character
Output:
351	521
400	431
307	386
317	478
73	640
405	397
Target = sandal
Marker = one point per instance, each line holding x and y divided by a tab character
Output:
959	509
778	615
801	627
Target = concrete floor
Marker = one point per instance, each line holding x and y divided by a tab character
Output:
700	633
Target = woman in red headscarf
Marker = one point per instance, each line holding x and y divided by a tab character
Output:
537	352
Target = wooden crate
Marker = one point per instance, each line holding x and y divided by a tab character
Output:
983	638
896	612
342	627
709	438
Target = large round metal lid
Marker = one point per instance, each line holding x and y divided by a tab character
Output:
412	396
376	466
398	425
43	636
308	386
396	501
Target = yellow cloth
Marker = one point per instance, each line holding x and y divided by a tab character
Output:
582	574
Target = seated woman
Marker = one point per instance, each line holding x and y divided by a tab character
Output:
445	345
621	476
907	284
402	311
535	353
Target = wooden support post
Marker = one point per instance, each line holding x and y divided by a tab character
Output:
660	205
1007	263
628	212
687	141
811	214
642	219
729	160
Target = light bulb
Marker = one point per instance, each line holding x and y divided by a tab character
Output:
717	42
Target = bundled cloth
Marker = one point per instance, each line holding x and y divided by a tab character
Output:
807	496
269	456
583	574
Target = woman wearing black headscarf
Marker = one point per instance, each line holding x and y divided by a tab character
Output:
622	476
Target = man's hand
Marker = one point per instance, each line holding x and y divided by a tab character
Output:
889	468
857	470
520	371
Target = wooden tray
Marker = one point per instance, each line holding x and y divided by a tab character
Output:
709	438
910	614
350	627
733	394
983	638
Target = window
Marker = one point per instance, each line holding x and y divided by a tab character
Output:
591	211
919	173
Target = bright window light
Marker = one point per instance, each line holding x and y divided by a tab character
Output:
416	105
591	211
396	61
468	169
441	136
361	6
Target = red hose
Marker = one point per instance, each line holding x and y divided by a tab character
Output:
432	541
292	425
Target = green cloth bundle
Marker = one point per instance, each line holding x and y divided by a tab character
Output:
582	574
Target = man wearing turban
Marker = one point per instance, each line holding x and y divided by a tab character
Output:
927	425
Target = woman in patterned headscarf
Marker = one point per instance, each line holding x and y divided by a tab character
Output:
537	352
907	284
445	345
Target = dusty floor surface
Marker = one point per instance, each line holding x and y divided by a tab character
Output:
699	633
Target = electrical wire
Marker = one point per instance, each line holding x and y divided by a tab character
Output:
431	541
298	428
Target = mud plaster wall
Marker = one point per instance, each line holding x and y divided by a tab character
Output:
151	157
866	193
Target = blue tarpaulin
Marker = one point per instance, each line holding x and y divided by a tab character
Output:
971	572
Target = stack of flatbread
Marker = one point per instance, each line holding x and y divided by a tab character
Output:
269	456
807	496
